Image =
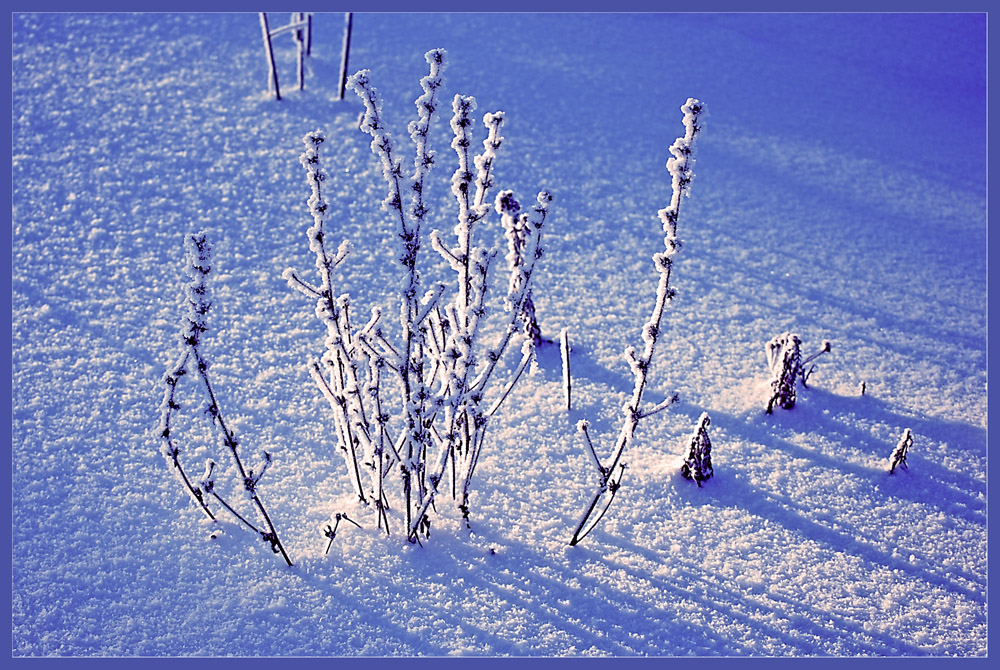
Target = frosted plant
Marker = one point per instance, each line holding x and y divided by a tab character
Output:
680	166
787	365
440	367
698	460
898	457
784	361
191	361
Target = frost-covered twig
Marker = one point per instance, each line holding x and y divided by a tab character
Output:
898	457
170	450
680	166
806	373
656	409
698	459
567	379
527	355
584	427
196	293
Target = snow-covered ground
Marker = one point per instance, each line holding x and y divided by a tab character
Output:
840	193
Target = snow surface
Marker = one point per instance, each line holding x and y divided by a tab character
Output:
840	193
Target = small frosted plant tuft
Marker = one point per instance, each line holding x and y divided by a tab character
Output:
787	366
698	460
898	457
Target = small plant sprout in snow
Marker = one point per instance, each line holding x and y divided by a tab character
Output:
331	531
698	460
566	376
191	362
785	361
898	457
680	166
787	365
438	363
